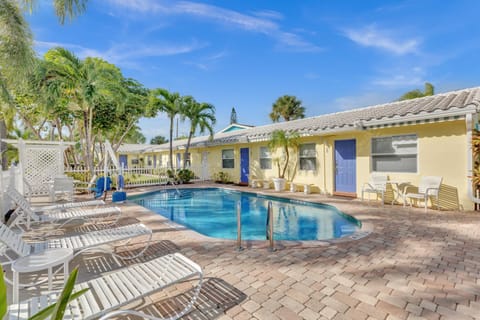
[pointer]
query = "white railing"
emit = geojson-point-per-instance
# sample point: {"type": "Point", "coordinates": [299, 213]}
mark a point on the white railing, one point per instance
{"type": "Point", "coordinates": [134, 177]}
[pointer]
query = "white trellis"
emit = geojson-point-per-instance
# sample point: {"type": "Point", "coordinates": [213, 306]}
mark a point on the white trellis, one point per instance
{"type": "Point", "coordinates": [40, 162]}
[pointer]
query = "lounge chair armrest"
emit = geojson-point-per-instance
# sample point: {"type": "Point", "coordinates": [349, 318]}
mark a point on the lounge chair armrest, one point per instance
{"type": "Point", "coordinates": [427, 191]}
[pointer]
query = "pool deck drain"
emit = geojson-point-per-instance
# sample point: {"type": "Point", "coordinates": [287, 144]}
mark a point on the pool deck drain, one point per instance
{"type": "Point", "coordinates": [412, 265]}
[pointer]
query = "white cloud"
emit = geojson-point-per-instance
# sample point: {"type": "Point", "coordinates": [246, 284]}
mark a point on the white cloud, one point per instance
{"type": "Point", "coordinates": [80, 51]}
{"type": "Point", "coordinates": [401, 78]}
{"type": "Point", "coordinates": [270, 14]}
{"type": "Point", "coordinates": [371, 36]}
{"type": "Point", "coordinates": [262, 22]}
{"type": "Point", "coordinates": [123, 54]}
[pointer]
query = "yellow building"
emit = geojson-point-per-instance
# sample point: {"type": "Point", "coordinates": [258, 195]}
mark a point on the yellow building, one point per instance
{"type": "Point", "coordinates": [407, 140]}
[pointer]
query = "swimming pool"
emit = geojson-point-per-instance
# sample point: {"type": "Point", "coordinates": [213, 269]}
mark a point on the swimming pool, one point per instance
{"type": "Point", "coordinates": [212, 212]}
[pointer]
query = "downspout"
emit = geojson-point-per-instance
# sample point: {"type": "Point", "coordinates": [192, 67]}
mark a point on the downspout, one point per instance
{"type": "Point", "coordinates": [470, 119]}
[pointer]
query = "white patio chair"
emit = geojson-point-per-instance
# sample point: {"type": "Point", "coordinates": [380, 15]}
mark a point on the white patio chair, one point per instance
{"type": "Point", "coordinates": [62, 186]}
{"type": "Point", "coordinates": [377, 184]}
{"type": "Point", "coordinates": [11, 242]}
{"type": "Point", "coordinates": [25, 214]}
{"type": "Point", "coordinates": [429, 186]}
{"type": "Point", "coordinates": [120, 288]}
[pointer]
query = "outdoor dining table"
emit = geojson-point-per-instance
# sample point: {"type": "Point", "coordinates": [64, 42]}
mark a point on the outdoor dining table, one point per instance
{"type": "Point", "coordinates": [397, 190]}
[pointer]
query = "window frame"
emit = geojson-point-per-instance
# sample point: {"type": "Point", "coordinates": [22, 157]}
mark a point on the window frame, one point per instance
{"type": "Point", "coordinates": [262, 157]}
{"type": "Point", "coordinates": [314, 157]}
{"type": "Point", "coordinates": [416, 154]}
{"type": "Point", "coordinates": [232, 159]}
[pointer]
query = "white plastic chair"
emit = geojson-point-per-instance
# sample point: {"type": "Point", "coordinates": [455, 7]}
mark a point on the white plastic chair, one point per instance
{"type": "Point", "coordinates": [119, 288]}
{"type": "Point", "coordinates": [377, 184]}
{"type": "Point", "coordinates": [429, 186]}
{"type": "Point", "coordinates": [62, 186]}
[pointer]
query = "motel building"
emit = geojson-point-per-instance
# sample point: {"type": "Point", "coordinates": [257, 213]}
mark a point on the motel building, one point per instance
{"type": "Point", "coordinates": [337, 152]}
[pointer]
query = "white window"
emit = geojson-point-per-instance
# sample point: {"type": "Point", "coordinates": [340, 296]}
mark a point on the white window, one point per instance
{"type": "Point", "coordinates": [228, 161]}
{"type": "Point", "coordinates": [395, 153]}
{"type": "Point", "coordinates": [308, 157]}
{"type": "Point", "coordinates": [187, 160]}
{"type": "Point", "coordinates": [265, 158]}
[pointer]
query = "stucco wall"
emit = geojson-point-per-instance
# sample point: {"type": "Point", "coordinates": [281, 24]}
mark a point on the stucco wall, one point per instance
{"type": "Point", "coordinates": [442, 151]}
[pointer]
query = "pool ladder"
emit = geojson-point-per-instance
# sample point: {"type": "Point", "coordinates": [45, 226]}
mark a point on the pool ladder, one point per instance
{"type": "Point", "coordinates": [268, 227]}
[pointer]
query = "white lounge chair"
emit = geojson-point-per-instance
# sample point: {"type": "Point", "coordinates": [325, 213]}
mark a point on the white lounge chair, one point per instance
{"type": "Point", "coordinates": [91, 241]}
{"type": "Point", "coordinates": [120, 288]}
{"type": "Point", "coordinates": [429, 186]}
{"type": "Point", "coordinates": [62, 186]}
{"type": "Point", "coordinates": [377, 185]}
{"type": "Point", "coordinates": [68, 205]}
{"type": "Point", "coordinates": [79, 243]}
{"type": "Point", "coordinates": [25, 213]}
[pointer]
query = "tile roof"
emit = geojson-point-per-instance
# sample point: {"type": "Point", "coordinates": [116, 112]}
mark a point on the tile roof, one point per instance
{"type": "Point", "coordinates": [461, 102]}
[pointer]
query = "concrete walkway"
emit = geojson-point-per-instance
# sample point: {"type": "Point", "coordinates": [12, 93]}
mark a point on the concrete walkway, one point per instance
{"type": "Point", "coordinates": [413, 265]}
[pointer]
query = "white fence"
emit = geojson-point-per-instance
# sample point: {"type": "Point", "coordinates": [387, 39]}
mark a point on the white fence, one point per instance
{"type": "Point", "coordinates": [134, 177]}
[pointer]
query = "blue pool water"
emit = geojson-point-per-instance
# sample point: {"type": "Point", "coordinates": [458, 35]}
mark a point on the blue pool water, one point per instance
{"type": "Point", "coordinates": [212, 212]}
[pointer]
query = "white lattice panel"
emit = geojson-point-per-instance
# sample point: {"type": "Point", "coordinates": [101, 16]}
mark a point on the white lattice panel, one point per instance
{"type": "Point", "coordinates": [41, 164]}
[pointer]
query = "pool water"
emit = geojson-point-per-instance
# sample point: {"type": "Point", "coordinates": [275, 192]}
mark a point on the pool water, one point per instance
{"type": "Point", "coordinates": [212, 212]}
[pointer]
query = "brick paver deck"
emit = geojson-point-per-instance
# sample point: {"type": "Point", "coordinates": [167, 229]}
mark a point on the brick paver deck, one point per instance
{"type": "Point", "coordinates": [413, 265]}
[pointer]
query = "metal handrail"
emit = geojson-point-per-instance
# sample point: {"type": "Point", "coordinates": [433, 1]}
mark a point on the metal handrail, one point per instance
{"type": "Point", "coordinates": [239, 226]}
{"type": "Point", "coordinates": [269, 227]}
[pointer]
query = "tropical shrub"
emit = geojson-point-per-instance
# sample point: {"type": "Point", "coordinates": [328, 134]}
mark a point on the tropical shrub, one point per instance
{"type": "Point", "coordinates": [222, 177]}
{"type": "Point", "coordinates": [185, 175]}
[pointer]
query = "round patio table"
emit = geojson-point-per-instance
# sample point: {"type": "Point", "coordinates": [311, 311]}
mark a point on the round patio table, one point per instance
{"type": "Point", "coordinates": [40, 261]}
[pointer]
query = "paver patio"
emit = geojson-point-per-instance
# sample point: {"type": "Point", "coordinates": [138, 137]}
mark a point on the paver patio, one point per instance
{"type": "Point", "coordinates": [413, 265]}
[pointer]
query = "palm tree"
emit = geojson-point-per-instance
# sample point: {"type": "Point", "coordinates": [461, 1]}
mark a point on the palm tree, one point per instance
{"type": "Point", "coordinates": [288, 108]}
{"type": "Point", "coordinates": [63, 8]}
{"type": "Point", "coordinates": [85, 84]}
{"type": "Point", "coordinates": [201, 116]}
{"type": "Point", "coordinates": [170, 103]}
{"type": "Point", "coordinates": [281, 139]}
{"type": "Point", "coordinates": [16, 57]}
{"type": "Point", "coordinates": [428, 91]}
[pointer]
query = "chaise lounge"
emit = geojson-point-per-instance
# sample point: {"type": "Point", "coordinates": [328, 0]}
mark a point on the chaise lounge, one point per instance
{"type": "Point", "coordinates": [119, 288]}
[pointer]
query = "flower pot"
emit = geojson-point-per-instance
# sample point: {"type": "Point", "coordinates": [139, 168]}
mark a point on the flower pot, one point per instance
{"type": "Point", "coordinates": [279, 184]}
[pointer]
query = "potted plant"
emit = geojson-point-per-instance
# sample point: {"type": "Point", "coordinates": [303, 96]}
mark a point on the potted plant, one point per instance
{"type": "Point", "coordinates": [283, 140]}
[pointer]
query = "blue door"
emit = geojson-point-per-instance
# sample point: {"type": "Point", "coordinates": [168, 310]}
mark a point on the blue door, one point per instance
{"type": "Point", "coordinates": [244, 164]}
{"type": "Point", "coordinates": [123, 160]}
{"type": "Point", "coordinates": [345, 166]}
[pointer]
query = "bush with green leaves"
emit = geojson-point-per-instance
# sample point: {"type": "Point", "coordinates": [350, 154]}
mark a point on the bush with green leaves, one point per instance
{"type": "Point", "coordinates": [185, 175]}
{"type": "Point", "coordinates": [222, 177]}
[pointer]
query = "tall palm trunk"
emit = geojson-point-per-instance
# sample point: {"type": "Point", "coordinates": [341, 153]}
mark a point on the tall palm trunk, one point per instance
{"type": "Point", "coordinates": [171, 142]}
{"type": "Point", "coordinates": [3, 146]}
{"type": "Point", "coordinates": [190, 135]}
{"type": "Point", "coordinates": [87, 148]}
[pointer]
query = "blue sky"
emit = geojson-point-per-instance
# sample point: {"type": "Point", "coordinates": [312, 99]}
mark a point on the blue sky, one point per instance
{"type": "Point", "coordinates": [332, 55]}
